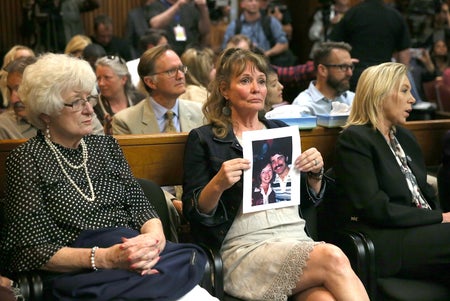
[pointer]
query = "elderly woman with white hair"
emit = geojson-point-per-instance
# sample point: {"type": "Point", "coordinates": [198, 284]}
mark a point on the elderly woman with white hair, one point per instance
{"type": "Point", "coordinates": [73, 209]}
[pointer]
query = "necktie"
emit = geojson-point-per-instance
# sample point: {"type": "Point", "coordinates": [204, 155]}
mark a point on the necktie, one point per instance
{"type": "Point", "coordinates": [169, 127]}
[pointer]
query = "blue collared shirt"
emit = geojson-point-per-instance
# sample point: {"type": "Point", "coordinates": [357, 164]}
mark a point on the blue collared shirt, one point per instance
{"type": "Point", "coordinates": [160, 111]}
{"type": "Point", "coordinates": [313, 101]}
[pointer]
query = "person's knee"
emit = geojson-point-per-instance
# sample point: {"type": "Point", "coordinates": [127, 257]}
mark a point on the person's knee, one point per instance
{"type": "Point", "coordinates": [333, 258]}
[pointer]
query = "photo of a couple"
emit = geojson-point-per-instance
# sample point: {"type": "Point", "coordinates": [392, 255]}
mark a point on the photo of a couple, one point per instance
{"type": "Point", "coordinates": [272, 177]}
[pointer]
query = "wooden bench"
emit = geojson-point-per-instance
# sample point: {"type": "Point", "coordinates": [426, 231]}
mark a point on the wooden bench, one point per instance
{"type": "Point", "coordinates": [159, 157]}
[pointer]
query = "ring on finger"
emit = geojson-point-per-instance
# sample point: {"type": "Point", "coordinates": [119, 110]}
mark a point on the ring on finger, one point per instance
{"type": "Point", "coordinates": [315, 162]}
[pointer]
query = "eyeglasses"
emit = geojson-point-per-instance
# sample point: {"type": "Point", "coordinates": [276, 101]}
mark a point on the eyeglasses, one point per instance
{"type": "Point", "coordinates": [172, 72]}
{"type": "Point", "coordinates": [79, 104]}
{"type": "Point", "coordinates": [114, 57]}
{"type": "Point", "coordinates": [341, 67]}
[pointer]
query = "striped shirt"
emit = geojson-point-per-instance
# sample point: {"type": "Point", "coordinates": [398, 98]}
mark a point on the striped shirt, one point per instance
{"type": "Point", "coordinates": [282, 188]}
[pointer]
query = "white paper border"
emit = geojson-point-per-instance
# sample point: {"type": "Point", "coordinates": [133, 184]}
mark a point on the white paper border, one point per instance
{"type": "Point", "coordinates": [247, 144]}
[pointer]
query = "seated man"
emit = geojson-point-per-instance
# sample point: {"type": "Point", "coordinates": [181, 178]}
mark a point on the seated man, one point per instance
{"type": "Point", "coordinates": [163, 75]}
{"type": "Point", "coordinates": [14, 123]}
{"type": "Point", "coordinates": [334, 67]}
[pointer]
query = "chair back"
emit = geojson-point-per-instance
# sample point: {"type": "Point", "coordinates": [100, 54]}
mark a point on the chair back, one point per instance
{"type": "Point", "coordinates": [443, 97]}
{"type": "Point", "coordinates": [155, 195]}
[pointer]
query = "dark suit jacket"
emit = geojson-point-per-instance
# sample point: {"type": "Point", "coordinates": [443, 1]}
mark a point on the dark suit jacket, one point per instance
{"type": "Point", "coordinates": [373, 194]}
{"type": "Point", "coordinates": [141, 119]}
{"type": "Point", "coordinates": [137, 25]}
{"type": "Point", "coordinates": [117, 46]}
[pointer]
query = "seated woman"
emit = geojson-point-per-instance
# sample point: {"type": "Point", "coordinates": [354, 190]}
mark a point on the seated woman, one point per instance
{"type": "Point", "coordinates": [116, 90]}
{"type": "Point", "coordinates": [76, 45]}
{"type": "Point", "coordinates": [73, 209]}
{"type": "Point", "coordinates": [381, 180]}
{"type": "Point", "coordinates": [266, 255]}
{"type": "Point", "coordinates": [275, 89]}
{"type": "Point", "coordinates": [201, 71]}
{"type": "Point", "coordinates": [427, 66]}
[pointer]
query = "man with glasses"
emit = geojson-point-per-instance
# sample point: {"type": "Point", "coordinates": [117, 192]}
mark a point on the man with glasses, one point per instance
{"type": "Point", "coordinates": [163, 75]}
{"type": "Point", "coordinates": [13, 122]}
{"type": "Point", "coordinates": [334, 68]}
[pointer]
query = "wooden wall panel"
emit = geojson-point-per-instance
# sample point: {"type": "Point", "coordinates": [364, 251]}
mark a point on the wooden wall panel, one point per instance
{"type": "Point", "coordinates": [11, 20]}
{"type": "Point", "coordinates": [116, 9]}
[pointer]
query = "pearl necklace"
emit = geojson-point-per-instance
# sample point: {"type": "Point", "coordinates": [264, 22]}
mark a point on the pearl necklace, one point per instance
{"type": "Point", "coordinates": [59, 155]}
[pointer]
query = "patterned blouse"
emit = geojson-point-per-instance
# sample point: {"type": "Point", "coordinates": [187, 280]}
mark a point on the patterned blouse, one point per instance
{"type": "Point", "coordinates": [43, 210]}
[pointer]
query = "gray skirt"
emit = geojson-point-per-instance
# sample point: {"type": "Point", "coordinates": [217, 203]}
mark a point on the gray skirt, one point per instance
{"type": "Point", "coordinates": [264, 254]}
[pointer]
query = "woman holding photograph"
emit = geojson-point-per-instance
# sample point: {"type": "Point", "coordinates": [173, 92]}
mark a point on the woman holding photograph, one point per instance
{"type": "Point", "coordinates": [212, 199]}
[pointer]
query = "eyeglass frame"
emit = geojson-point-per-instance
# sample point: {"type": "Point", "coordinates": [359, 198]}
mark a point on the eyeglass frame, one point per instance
{"type": "Point", "coordinates": [341, 67]}
{"type": "Point", "coordinates": [182, 68]}
{"type": "Point", "coordinates": [91, 99]}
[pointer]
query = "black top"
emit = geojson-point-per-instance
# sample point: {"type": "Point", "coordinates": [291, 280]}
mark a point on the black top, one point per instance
{"type": "Point", "coordinates": [43, 210]}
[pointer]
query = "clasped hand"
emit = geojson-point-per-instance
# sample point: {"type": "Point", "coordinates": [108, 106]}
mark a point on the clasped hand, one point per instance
{"type": "Point", "coordinates": [140, 253]}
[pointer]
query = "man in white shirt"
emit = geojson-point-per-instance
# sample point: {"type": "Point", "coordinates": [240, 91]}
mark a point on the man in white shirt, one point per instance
{"type": "Point", "coordinates": [334, 68]}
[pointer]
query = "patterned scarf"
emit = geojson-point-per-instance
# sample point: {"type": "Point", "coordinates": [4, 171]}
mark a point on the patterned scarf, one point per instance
{"type": "Point", "coordinates": [417, 198]}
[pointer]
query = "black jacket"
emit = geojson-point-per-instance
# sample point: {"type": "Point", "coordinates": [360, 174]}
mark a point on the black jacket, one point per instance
{"type": "Point", "coordinates": [203, 158]}
{"type": "Point", "coordinates": [373, 194]}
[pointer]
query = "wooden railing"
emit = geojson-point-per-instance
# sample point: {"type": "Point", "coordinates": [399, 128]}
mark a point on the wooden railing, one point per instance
{"type": "Point", "coordinates": [160, 156]}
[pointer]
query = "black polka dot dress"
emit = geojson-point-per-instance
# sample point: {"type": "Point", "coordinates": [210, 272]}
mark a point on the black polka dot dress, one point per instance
{"type": "Point", "coordinates": [43, 210]}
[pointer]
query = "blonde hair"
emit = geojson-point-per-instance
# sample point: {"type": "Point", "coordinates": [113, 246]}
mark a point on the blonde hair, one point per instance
{"type": "Point", "coordinates": [200, 62]}
{"type": "Point", "coordinates": [374, 85]}
{"type": "Point", "coordinates": [11, 54]}
{"type": "Point", "coordinates": [77, 44]}
{"type": "Point", "coordinates": [8, 58]}
{"type": "Point", "coordinates": [231, 63]}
